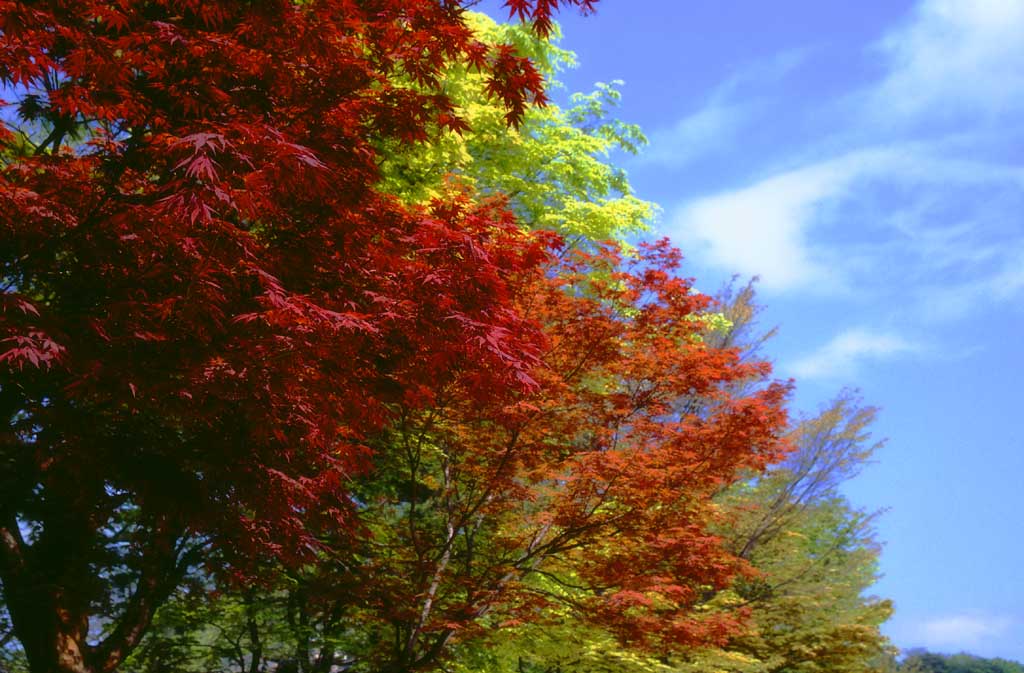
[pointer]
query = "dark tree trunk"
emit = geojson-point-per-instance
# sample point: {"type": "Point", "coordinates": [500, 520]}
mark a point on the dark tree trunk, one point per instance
{"type": "Point", "coordinates": [52, 635]}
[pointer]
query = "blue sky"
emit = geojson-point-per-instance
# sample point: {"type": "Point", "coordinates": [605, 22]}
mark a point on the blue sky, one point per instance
{"type": "Point", "coordinates": [866, 160]}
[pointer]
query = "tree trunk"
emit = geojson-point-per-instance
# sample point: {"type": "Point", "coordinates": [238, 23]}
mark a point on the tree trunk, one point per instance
{"type": "Point", "coordinates": [70, 655]}
{"type": "Point", "coordinates": [52, 636]}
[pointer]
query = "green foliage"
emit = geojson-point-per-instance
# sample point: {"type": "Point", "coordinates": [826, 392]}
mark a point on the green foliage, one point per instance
{"type": "Point", "coordinates": [196, 632]}
{"type": "Point", "coordinates": [554, 168]}
{"type": "Point", "coordinates": [562, 645]}
{"type": "Point", "coordinates": [248, 629]}
{"type": "Point", "coordinates": [808, 604]}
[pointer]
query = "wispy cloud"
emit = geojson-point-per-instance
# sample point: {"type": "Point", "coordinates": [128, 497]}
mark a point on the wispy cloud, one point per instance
{"type": "Point", "coordinates": [762, 229]}
{"type": "Point", "coordinates": [1002, 282]}
{"type": "Point", "coordinates": [716, 124]}
{"type": "Point", "coordinates": [840, 358]}
{"type": "Point", "coordinates": [954, 56]}
{"type": "Point", "coordinates": [962, 632]}
{"type": "Point", "coordinates": [945, 233]}
{"type": "Point", "coordinates": [711, 128]}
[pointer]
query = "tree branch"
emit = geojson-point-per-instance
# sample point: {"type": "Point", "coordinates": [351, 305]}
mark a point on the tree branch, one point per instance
{"type": "Point", "coordinates": [162, 569]}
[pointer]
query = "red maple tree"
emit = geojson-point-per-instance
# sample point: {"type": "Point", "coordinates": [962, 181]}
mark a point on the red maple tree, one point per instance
{"type": "Point", "coordinates": [206, 305]}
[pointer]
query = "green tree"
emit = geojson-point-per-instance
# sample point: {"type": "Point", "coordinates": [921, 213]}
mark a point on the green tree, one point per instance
{"type": "Point", "coordinates": [555, 167]}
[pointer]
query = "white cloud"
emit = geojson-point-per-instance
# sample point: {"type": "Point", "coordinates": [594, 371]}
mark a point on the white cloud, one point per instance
{"type": "Point", "coordinates": [869, 217]}
{"type": "Point", "coordinates": [961, 632]}
{"type": "Point", "coordinates": [841, 357]}
{"type": "Point", "coordinates": [955, 55]}
{"type": "Point", "coordinates": [764, 229]}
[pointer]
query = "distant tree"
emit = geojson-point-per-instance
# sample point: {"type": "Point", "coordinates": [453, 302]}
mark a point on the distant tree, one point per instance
{"type": "Point", "coordinates": [814, 554]}
{"type": "Point", "coordinates": [922, 661]}
{"type": "Point", "coordinates": [813, 558]}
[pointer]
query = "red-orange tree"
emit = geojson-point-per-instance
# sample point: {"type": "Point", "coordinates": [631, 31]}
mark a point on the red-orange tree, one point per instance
{"type": "Point", "coordinates": [206, 306]}
{"type": "Point", "coordinates": [595, 490]}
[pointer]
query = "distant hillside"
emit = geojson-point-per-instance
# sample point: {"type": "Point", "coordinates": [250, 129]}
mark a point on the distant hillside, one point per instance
{"type": "Point", "coordinates": [920, 661]}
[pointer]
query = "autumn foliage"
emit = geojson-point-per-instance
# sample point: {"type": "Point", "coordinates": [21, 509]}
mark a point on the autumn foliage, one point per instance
{"type": "Point", "coordinates": [219, 340]}
{"type": "Point", "coordinates": [593, 490]}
